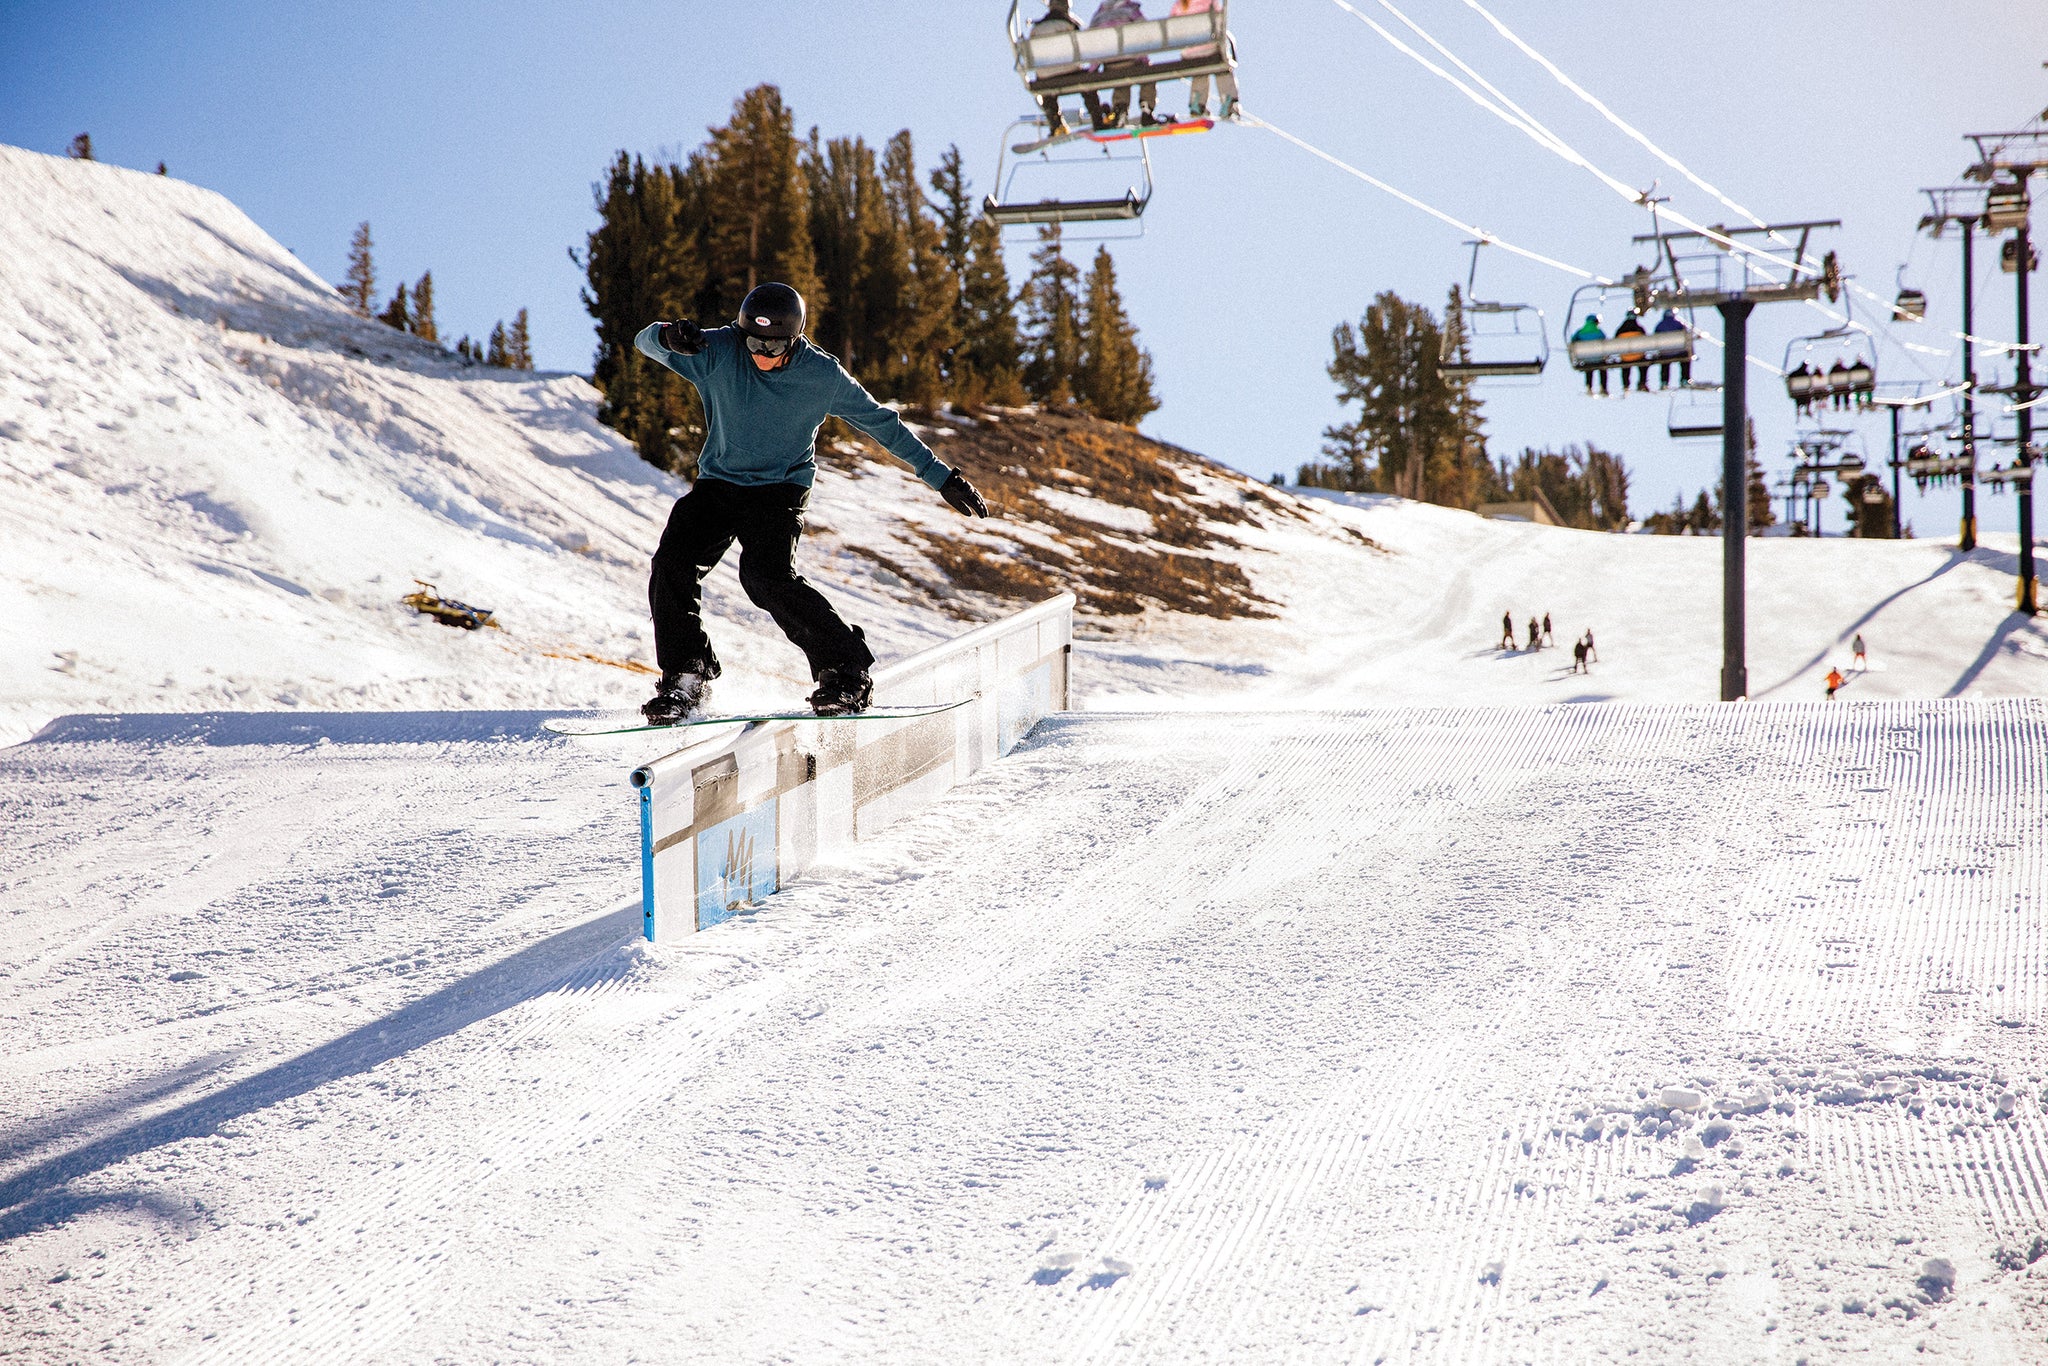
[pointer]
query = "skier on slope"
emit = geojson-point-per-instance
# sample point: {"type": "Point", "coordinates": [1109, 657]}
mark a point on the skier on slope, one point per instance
{"type": "Point", "coordinates": [1507, 630]}
{"type": "Point", "coordinates": [766, 390]}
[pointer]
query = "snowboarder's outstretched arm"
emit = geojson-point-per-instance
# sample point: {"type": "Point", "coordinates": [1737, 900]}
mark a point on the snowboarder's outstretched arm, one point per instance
{"type": "Point", "coordinates": [679, 346]}
{"type": "Point", "coordinates": [858, 406]}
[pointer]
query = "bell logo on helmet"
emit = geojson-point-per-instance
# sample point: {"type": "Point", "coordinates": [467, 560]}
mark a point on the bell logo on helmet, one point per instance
{"type": "Point", "coordinates": [763, 322]}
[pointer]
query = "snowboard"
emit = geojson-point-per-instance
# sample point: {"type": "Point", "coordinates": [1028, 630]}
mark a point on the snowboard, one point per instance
{"type": "Point", "coordinates": [1106, 135]}
{"type": "Point", "coordinates": [631, 722]}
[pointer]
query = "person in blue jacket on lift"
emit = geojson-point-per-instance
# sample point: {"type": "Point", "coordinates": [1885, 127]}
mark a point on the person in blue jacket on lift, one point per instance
{"type": "Point", "coordinates": [766, 391]}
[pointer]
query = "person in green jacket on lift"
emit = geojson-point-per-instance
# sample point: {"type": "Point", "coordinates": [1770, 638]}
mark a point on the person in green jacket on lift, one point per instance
{"type": "Point", "coordinates": [766, 391]}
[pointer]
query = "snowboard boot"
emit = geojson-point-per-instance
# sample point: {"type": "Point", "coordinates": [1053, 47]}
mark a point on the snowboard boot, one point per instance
{"type": "Point", "coordinates": [842, 692]}
{"type": "Point", "coordinates": [676, 697]}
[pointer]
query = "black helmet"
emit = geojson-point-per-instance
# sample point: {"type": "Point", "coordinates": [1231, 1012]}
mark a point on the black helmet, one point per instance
{"type": "Point", "coordinates": [774, 312]}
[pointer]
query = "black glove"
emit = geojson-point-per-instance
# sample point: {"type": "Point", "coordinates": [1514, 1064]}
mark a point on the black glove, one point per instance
{"type": "Point", "coordinates": [685, 338]}
{"type": "Point", "coordinates": [957, 491]}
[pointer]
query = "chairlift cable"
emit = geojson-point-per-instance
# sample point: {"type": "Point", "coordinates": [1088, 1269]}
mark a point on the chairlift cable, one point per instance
{"type": "Point", "coordinates": [1551, 142]}
{"type": "Point", "coordinates": [1491, 239]}
{"type": "Point", "coordinates": [1675, 164]}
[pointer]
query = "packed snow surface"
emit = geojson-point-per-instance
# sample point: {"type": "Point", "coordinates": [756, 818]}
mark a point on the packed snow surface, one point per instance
{"type": "Point", "coordinates": [1686, 1033]}
{"type": "Point", "coordinates": [1338, 986]}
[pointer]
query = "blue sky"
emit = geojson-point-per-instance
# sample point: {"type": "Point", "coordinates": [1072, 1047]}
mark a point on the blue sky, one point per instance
{"type": "Point", "coordinates": [469, 134]}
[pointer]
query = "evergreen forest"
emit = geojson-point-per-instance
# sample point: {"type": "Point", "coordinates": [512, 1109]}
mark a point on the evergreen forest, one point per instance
{"type": "Point", "coordinates": [904, 278]}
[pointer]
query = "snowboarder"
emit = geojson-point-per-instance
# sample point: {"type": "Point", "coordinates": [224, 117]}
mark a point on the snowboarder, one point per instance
{"type": "Point", "coordinates": [1059, 18]}
{"type": "Point", "coordinates": [1115, 14]}
{"type": "Point", "coordinates": [1198, 86]}
{"type": "Point", "coordinates": [1835, 681]}
{"type": "Point", "coordinates": [1535, 635]}
{"type": "Point", "coordinates": [1507, 630]}
{"type": "Point", "coordinates": [1549, 638]}
{"type": "Point", "coordinates": [765, 391]}
{"type": "Point", "coordinates": [1860, 661]}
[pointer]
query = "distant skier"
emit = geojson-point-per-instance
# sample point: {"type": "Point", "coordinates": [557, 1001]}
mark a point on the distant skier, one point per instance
{"type": "Point", "coordinates": [1549, 637]}
{"type": "Point", "coordinates": [1535, 635]}
{"type": "Point", "coordinates": [765, 390]}
{"type": "Point", "coordinates": [1579, 665]}
{"type": "Point", "coordinates": [1860, 662]}
{"type": "Point", "coordinates": [1835, 682]}
{"type": "Point", "coordinates": [1507, 630]}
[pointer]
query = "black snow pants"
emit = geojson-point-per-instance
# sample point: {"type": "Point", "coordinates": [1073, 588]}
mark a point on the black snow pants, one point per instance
{"type": "Point", "coordinates": [767, 521]}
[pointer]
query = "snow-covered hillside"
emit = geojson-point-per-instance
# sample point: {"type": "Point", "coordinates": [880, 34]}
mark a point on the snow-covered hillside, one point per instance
{"type": "Point", "coordinates": [218, 483]}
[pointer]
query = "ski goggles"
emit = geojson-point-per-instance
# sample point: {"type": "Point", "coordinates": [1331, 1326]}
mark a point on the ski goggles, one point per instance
{"type": "Point", "coordinates": [771, 347]}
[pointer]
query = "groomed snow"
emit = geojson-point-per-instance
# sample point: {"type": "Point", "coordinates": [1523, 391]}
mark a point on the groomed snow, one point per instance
{"type": "Point", "coordinates": [1574, 1034]}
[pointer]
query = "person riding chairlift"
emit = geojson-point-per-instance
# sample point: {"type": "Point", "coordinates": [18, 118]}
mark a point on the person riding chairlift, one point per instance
{"type": "Point", "coordinates": [1838, 384]}
{"type": "Point", "coordinates": [1198, 86]}
{"type": "Point", "coordinates": [1801, 385]}
{"type": "Point", "coordinates": [1670, 323]}
{"type": "Point", "coordinates": [1589, 330]}
{"type": "Point", "coordinates": [1115, 14]}
{"type": "Point", "coordinates": [1057, 19]}
{"type": "Point", "coordinates": [1632, 326]}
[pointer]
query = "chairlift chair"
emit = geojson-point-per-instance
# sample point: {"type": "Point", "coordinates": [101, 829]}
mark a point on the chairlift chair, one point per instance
{"type": "Point", "coordinates": [1501, 340]}
{"type": "Point", "coordinates": [1911, 306]}
{"type": "Point", "coordinates": [1695, 411]}
{"type": "Point", "coordinates": [1831, 368]}
{"type": "Point", "coordinates": [1628, 351]}
{"type": "Point", "coordinates": [2005, 206]}
{"type": "Point", "coordinates": [1068, 163]}
{"type": "Point", "coordinates": [1147, 52]}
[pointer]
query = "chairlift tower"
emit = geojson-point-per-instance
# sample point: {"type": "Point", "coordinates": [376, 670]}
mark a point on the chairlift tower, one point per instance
{"type": "Point", "coordinates": [1733, 284]}
{"type": "Point", "coordinates": [2007, 204]}
{"type": "Point", "coordinates": [1897, 396]}
{"type": "Point", "coordinates": [1963, 205]}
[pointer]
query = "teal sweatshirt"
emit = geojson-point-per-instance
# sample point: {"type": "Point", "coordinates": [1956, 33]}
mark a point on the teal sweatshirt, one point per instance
{"type": "Point", "coordinates": [764, 425]}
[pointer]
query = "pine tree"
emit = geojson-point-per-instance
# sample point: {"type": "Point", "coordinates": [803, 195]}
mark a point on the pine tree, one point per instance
{"type": "Point", "coordinates": [1405, 438]}
{"type": "Point", "coordinates": [1114, 377]}
{"type": "Point", "coordinates": [990, 364]}
{"type": "Point", "coordinates": [852, 245]}
{"type": "Point", "coordinates": [1761, 513]}
{"type": "Point", "coordinates": [643, 264]}
{"type": "Point", "coordinates": [423, 325]}
{"type": "Point", "coordinates": [921, 330]}
{"type": "Point", "coordinates": [397, 313]}
{"type": "Point", "coordinates": [1052, 325]}
{"type": "Point", "coordinates": [81, 147]}
{"type": "Point", "coordinates": [1472, 478]}
{"type": "Point", "coordinates": [756, 212]}
{"type": "Point", "coordinates": [496, 354]}
{"type": "Point", "coordinates": [957, 218]}
{"type": "Point", "coordinates": [360, 284]}
{"type": "Point", "coordinates": [518, 344]}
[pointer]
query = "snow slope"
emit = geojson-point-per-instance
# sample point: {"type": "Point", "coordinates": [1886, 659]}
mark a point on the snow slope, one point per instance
{"type": "Point", "coordinates": [1595, 1033]}
{"type": "Point", "coordinates": [1248, 1025]}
